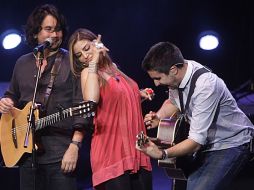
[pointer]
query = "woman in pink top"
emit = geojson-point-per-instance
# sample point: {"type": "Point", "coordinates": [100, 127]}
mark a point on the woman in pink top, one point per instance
{"type": "Point", "coordinates": [116, 164]}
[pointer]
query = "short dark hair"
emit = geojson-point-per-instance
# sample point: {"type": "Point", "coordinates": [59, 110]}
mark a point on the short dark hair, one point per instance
{"type": "Point", "coordinates": [34, 21]}
{"type": "Point", "coordinates": [161, 57]}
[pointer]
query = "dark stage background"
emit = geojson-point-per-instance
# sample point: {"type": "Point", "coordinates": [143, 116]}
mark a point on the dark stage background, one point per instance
{"type": "Point", "coordinates": [129, 28]}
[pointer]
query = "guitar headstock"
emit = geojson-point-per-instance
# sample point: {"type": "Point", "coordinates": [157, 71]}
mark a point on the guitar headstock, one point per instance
{"type": "Point", "coordinates": [84, 109]}
{"type": "Point", "coordinates": [142, 139]}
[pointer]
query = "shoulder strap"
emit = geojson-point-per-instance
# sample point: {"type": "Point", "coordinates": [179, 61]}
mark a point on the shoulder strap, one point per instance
{"type": "Point", "coordinates": [54, 71]}
{"type": "Point", "coordinates": [193, 84]}
{"type": "Point", "coordinates": [192, 87]}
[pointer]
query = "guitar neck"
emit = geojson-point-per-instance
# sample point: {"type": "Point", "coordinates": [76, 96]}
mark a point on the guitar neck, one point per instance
{"type": "Point", "coordinates": [53, 118]}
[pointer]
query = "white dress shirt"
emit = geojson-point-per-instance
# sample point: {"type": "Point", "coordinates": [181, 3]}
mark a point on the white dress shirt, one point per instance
{"type": "Point", "coordinates": [215, 119]}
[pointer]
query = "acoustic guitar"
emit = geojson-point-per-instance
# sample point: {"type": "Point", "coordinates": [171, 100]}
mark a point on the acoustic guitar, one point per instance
{"type": "Point", "coordinates": [13, 127]}
{"type": "Point", "coordinates": [170, 132]}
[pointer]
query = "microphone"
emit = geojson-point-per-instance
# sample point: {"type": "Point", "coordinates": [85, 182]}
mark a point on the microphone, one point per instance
{"type": "Point", "coordinates": [41, 47]}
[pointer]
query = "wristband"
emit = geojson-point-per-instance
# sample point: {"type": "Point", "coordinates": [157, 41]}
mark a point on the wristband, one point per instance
{"type": "Point", "coordinates": [92, 67]}
{"type": "Point", "coordinates": [79, 144]}
{"type": "Point", "coordinates": [164, 154]}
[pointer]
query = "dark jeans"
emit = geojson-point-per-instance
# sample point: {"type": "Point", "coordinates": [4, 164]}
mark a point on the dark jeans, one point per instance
{"type": "Point", "coordinates": [142, 180]}
{"type": "Point", "coordinates": [48, 177]}
{"type": "Point", "coordinates": [219, 168]}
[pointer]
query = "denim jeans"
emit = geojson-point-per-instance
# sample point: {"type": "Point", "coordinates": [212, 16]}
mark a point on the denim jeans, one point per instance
{"type": "Point", "coordinates": [219, 168]}
{"type": "Point", "coordinates": [48, 177]}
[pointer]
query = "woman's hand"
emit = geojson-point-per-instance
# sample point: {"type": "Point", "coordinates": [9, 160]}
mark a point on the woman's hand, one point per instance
{"type": "Point", "coordinates": [98, 48]}
{"type": "Point", "coordinates": [146, 94]}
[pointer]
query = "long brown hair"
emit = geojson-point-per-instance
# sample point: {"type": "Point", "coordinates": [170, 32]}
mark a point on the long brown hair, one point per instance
{"type": "Point", "coordinates": [76, 66]}
{"type": "Point", "coordinates": [105, 63]}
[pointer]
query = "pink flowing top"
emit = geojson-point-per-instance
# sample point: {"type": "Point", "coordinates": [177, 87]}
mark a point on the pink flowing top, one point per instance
{"type": "Point", "coordinates": [117, 122]}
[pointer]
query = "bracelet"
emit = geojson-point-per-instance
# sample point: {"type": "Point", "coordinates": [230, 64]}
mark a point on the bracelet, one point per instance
{"type": "Point", "coordinates": [92, 67]}
{"type": "Point", "coordinates": [79, 144]}
{"type": "Point", "coordinates": [164, 154]}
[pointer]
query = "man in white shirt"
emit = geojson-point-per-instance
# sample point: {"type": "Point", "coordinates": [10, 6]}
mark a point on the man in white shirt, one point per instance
{"type": "Point", "coordinates": [217, 126]}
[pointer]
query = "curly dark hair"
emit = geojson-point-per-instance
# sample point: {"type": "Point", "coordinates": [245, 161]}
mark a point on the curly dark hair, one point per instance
{"type": "Point", "coordinates": [162, 56]}
{"type": "Point", "coordinates": [34, 21]}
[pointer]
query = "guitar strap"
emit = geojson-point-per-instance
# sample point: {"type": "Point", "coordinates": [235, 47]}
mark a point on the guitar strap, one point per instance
{"type": "Point", "coordinates": [54, 71]}
{"type": "Point", "coordinates": [192, 87]}
{"type": "Point", "coordinates": [182, 128]}
{"type": "Point", "coordinates": [183, 117]}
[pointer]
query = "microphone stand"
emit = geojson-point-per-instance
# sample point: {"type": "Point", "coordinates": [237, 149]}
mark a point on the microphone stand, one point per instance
{"type": "Point", "coordinates": [31, 117]}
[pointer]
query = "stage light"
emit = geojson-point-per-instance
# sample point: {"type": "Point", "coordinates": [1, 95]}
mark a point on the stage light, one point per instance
{"type": "Point", "coordinates": [208, 40]}
{"type": "Point", "coordinates": [11, 39]}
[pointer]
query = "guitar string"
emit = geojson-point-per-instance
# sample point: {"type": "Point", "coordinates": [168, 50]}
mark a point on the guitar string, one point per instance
{"type": "Point", "coordinates": [23, 128]}
{"type": "Point", "coordinates": [53, 117]}
{"type": "Point", "coordinates": [46, 119]}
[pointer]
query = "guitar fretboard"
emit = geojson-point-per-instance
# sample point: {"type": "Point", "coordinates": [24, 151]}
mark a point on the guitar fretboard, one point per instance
{"type": "Point", "coordinates": [53, 118]}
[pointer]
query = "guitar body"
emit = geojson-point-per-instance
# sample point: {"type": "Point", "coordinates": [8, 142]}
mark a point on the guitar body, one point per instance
{"type": "Point", "coordinates": [166, 135]}
{"type": "Point", "coordinates": [13, 132]}
{"type": "Point", "coordinates": [170, 132]}
{"type": "Point", "coordinates": [13, 128]}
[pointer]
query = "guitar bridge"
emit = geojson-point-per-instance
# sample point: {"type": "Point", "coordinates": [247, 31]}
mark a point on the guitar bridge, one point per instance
{"type": "Point", "coordinates": [14, 134]}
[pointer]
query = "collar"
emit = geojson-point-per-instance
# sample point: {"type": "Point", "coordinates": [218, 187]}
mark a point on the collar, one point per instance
{"type": "Point", "coordinates": [187, 75]}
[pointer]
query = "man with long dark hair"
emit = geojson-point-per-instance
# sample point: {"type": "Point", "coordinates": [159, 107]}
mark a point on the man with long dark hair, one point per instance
{"type": "Point", "coordinates": [60, 142]}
